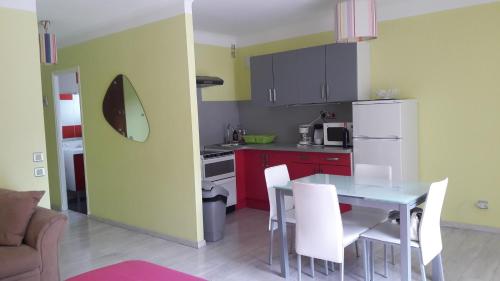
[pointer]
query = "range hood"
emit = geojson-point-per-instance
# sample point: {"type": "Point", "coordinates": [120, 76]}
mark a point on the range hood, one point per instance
{"type": "Point", "coordinates": [207, 81]}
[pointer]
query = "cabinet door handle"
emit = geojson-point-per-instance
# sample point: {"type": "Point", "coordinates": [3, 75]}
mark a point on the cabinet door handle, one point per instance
{"type": "Point", "coordinates": [327, 90]}
{"type": "Point", "coordinates": [332, 159]}
{"type": "Point", "coordinates": [323, 91]}
{"type": "Point", "coordinates": [270, 95]}
{"type": "Point", "coordinates": [274, 93]}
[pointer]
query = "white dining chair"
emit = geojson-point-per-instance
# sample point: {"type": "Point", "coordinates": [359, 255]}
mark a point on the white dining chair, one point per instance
{"type": "Point", "coordinates": [429, 242]}
{"type": "Point", "coordinates": [276, 176]}
{"type": "Point", "coordinates": [319, 231]}
{"type": "Point", "coordinates": [370, 217]}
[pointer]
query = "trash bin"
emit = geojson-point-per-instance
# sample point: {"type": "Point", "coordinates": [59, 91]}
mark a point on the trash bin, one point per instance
{"type": "Point", "coordinates": [214, 211]}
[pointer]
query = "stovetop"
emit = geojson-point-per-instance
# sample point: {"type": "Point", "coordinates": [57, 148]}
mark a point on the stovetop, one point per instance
{"type": "Point", "coordinates": [207, 153]}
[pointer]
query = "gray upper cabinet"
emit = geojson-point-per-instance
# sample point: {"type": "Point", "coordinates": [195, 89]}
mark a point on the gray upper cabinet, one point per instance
{"type": "Point", "coordinates": [341, 72]}
{"type": "Point", "coordinates": [311, 68]}
{"type": "Point", "coordinates": [329, 73]}
{"type": "Point", "coordinates": [262, 79]}
{"type": "Point", "coordinates": [285, 69]}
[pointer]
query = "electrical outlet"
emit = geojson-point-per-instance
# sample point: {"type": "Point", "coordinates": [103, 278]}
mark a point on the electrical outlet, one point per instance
{"type": "Point", "coordinates": [482, 204]}
{"type": "Point", "coordinates": [37, 157]}
{"type": "Point", "coordinates": [39, 172]}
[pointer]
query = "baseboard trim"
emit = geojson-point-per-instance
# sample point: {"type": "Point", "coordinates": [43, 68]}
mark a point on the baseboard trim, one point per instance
{"type": "Point", "coordinates": [475, 227]}
{"type": "Point", "coordinates": [189, 243]}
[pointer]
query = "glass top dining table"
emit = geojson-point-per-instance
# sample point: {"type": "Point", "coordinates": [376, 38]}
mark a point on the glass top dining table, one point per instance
{"type": "Point", "coordinates": [384, 191]}
{"type": "Point", "coordinates": [401, 196]}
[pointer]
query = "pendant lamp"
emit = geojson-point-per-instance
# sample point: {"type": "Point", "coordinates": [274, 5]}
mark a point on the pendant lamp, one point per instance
{"type": "Point", "coordinates": [356, 20]}
{"type": "Point", "coordinates": [48, 45]}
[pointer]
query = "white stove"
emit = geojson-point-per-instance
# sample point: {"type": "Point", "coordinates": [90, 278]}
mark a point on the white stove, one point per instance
{"type": "Point", "coordinates": [218, 166]}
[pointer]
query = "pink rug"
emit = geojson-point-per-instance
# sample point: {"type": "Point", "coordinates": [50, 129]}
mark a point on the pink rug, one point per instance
{"type": "Point", "coordinates": [134, 271]}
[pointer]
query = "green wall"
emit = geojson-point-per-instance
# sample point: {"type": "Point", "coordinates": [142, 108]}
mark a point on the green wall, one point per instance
{"type": "Point", "coordinates": [217, 61]}
{"type": "Point", "coordinates": [449, 61]}
{"type": "Point", "coordinates": [21, 111]}
{"type": "Point", "coordinates": [153, 185]}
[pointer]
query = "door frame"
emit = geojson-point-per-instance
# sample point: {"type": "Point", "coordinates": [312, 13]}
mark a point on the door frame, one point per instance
{"type": "Point", "coordinates": [60, 154]}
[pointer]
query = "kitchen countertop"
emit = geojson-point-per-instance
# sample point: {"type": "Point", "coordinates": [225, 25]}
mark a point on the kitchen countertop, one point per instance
{"type": "Point", "coordinates": [282, 147]}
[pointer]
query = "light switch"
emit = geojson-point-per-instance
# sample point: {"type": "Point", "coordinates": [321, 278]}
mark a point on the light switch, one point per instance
{"type": "Point", "coordinates": [37, 156]}
{"type": "Point", "coordinates": [39, 172]}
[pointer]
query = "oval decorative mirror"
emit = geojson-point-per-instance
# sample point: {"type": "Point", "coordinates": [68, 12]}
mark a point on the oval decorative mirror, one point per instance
{"type": "Point", "coordinates": [123, 110]}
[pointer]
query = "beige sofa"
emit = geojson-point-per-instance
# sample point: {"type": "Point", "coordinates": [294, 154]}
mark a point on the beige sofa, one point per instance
{"type": "Point", "coordinates": [37, 258]}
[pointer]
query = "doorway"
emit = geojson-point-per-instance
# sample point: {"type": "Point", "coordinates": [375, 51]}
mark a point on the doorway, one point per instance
{"type": "Point", "coordinates": [69, 137]}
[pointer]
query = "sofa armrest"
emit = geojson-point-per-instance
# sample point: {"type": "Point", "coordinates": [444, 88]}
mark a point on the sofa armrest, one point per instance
{"type": "Point", "coordinates": [44, 231]}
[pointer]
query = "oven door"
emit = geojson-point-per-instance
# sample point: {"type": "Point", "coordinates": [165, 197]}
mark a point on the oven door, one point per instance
{"type": "Point", "coordinates": [218, 168]}
{"type": "Point", "coordinates": [333, 135]}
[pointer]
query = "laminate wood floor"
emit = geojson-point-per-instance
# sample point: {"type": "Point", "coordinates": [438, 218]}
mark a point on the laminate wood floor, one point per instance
{"type": "Point", "coordinates": [242, 254]}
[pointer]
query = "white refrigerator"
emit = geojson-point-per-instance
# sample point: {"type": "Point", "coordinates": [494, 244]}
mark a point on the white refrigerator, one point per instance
{"type": "Point", "coordinates": [385, 132]}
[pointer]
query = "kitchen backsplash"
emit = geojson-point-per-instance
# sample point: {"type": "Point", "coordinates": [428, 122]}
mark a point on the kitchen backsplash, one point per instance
{"type": "Point", "coordinates": [281, 121]}
{"type": "Point", "coordinates": [213, 116]}
{"type": "Point", "coordinates": [284, 121]}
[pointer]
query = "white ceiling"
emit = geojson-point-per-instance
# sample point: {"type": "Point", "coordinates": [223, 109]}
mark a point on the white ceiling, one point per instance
{"type": "Point", "coordinates": [76, 21]}
{"type": "Point", "coordinates": [219, 22]}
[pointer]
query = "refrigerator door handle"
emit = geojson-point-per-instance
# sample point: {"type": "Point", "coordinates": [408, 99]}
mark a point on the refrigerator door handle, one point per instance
{"type": "Point", "coordinates": [378, 138]}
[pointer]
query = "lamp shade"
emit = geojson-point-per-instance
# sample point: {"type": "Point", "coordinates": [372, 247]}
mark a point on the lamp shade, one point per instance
{"type": "Point", "coordinates": [48, 48]}
{"type": "Point", "coordinates": [356, 20]}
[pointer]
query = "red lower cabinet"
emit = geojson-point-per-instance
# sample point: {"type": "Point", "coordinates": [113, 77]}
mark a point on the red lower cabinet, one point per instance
{"type": "Point", "coordinates": [335, 170]}
{"type": "Point", "coordinates": [300, 170]}
{"type": "Point", "coordinates": [250, 166]}
{"type": "Point", "coordinates": [251, 179]}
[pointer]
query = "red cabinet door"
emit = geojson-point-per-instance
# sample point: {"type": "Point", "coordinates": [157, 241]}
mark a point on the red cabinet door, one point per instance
{"type": "Point", "coordinates": [256, 189]}
{"type": "Point", "coordinates": [300, 170]}
{"type": "Point", "coordinates": [241, 178]}
{"type": "Point", "coordinates": [335, 170]}
{"type": "Point", "coordinates": [336, 159]}
{"type": "Point", "coordinates": [275, 158]}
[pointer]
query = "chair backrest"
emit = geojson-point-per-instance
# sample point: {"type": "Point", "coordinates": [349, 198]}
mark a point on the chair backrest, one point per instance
{"type": "Point", "coordinates": [275, 176]}
{"type": "Point", "coordinates": [430, 225]}
{"type": "Point", "coordinates": [372, 174]}
{"type": "Point", "coordinates": [318, 231]}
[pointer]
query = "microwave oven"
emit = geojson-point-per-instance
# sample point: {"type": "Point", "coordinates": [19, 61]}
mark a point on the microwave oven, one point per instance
{"type": "Point", "coordinates": [333, 133]}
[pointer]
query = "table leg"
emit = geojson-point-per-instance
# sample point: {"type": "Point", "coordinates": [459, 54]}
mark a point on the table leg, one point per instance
{"type": "Point", "coordinates": [437, 268]}
{"type": "Point", "coordinates": [280, 207]}
{"type": "Point", "coordinates": [405, 242]}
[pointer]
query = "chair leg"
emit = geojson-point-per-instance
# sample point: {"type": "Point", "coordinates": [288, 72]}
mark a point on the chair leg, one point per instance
{"type": "Point", "coordinates": [341, 271]}
{"type": "Point", "coordinates": [326, 268]}
{"type": "Point", "coordinates": [386, 266]}
{"type": "Point", "coordinates": [357, 249]}
{"type": "Point", "coordinates": [312, 267]}
{"type": "Point", "coordinates": [299, 266]}
{"type": "Point", "coordinates": [392, 253]}
{"type": "Point", "coordinates": [271, 239]}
